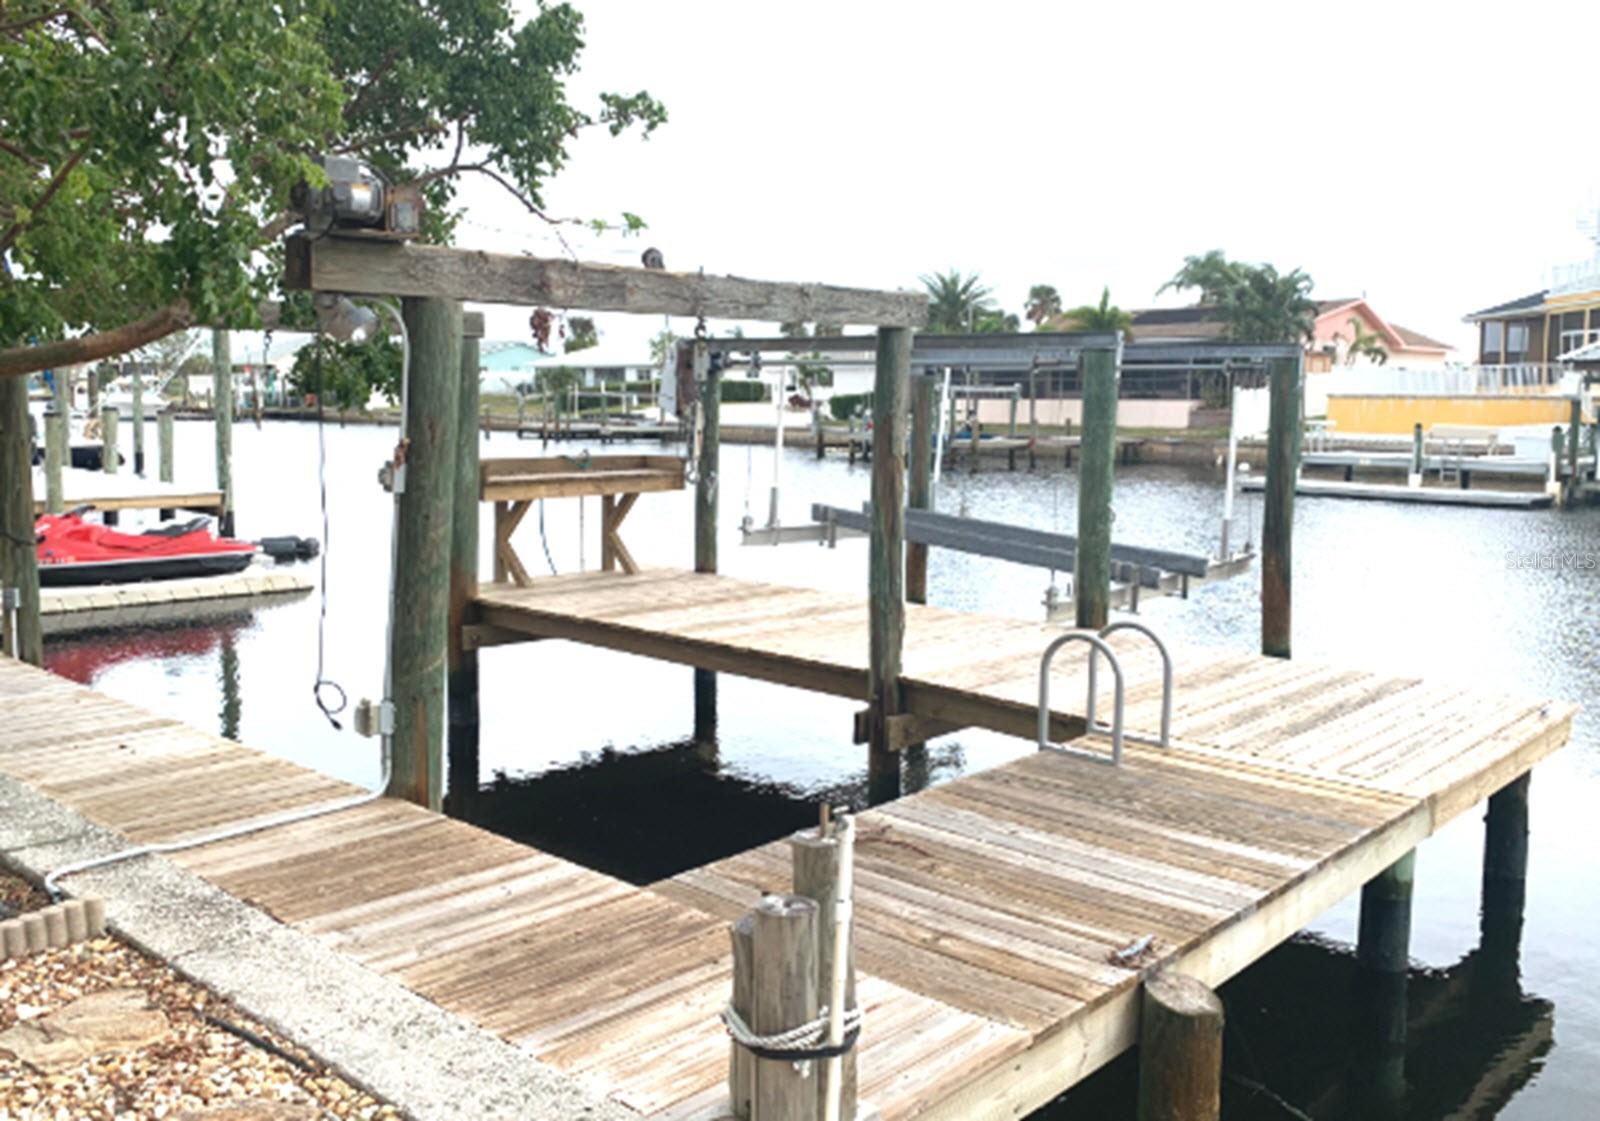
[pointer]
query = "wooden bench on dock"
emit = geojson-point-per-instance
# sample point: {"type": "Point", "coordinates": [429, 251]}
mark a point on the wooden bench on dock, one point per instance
{"type": "Point", "coordinates": [514, 485]}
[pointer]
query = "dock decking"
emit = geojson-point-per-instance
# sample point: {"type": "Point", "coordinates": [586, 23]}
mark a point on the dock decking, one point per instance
{"type": "Point", "coordinates": [988, 908]}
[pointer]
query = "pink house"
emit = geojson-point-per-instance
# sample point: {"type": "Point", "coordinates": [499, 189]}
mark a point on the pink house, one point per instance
{"type": "Point", "coordinates": [1333, 332]}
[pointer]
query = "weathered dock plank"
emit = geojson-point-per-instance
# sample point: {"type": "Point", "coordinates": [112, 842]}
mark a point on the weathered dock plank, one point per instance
{"type": "Point", "coordinates": [989, 909]}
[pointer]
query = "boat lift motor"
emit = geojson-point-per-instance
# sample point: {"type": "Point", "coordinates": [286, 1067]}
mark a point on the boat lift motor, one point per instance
{"type": "Point", "coordinates": [358, 203]}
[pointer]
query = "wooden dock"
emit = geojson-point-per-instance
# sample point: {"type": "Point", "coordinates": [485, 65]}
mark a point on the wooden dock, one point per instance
{"type": "Point", "coordinates": [157, 602]}
{"type": "Point", "coordinates": [1428, 496]}
{"type": "Point", "coordinates": [989, 909]}
{"type": "Point", "coordinates": [127, 491]}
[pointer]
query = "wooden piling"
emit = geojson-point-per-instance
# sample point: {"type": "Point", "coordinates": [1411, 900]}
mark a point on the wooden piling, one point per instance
{"type": "Point", "coordinates": [1383, 942]}
{"type": "Point", "coordinates": [1033, 420]}
{"type": "Point", "coordinates": [1378, 1075]}
{"type": "Point", "coordinates": [1180, 1048]}
{"type": "Point", "coordinates": [461, 664]}
{"type": "Point", "coordinates": [109, 456]}
{"type": "Point", "coordinates": [815, 861]}
{"type": "Point", "coordinates": [1416, 456]}
{"type": "Point", "coordinates": [1574, 434]}
{"type": "Point", "coordinates": [1505, 841]}
{"type": "Point", "coordinates": [705, 528]}
{"type": "Point", "coordinates": [1277, 520]}
{"type": "Point", "coordinates": [138, 422]}
{"type": "Point", "coordinates": [164, 443]}
{"type": "Point", "coordinates": [19, 563]}
{"type": "Point", "coordinates": [56, 451]}
{"type": "Point", "coordinates": [421, 589]}
{"type": "Point", "coordinates": [886, 566]}
{"type": "Point", "coordinates": [222, 420]}
{"type": "Point", "coordinates": [741, 1064]}
{"type": "Point", "coordinates": [919, 493]}
{"type": "Point", "coordinates": [1101, 368]}
{"type": "Point", "coordinates": [784, 997]}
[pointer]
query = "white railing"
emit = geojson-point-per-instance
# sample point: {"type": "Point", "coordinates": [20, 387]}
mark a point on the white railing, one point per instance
{"type": "Point", "coordinates": [1581, 277]}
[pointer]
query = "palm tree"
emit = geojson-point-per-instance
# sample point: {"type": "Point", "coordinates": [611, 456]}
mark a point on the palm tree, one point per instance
{"type": "Point", "coordinates": [1043, 302]}
{"type": "Point", "coordinates": [1211, 272]}
{"type": "Point", "coordinates": [956, 303]}
{"type": "Point", "coordinates": [1097, 317]}
{"type": "Point", "coordinates": [1365, 344]}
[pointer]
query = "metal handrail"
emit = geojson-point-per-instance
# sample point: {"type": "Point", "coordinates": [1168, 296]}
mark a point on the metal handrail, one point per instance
{"type": "Point", "coordinates": [1099, 646]}
{"type": "Point", "coordinates": [1166, 678]}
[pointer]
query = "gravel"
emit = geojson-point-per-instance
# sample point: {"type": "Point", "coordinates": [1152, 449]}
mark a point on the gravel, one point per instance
{"type": "Point", "coordinates": [199, 1064]}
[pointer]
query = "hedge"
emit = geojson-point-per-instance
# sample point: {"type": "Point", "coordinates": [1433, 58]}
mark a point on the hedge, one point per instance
{"type": "Point", "coordinates": [843, 406]}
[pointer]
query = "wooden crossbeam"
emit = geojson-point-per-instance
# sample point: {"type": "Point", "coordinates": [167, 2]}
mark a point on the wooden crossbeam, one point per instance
{"type": "Point", "coordinates": [334, 264]}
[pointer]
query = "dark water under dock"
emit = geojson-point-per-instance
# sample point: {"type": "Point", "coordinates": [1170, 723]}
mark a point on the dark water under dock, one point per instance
{"type": "Point", "coordinates": [591, 754]}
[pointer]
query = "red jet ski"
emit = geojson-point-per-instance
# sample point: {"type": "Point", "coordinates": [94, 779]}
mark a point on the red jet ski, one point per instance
{"type": "Point", "coordinates": [74, 552]}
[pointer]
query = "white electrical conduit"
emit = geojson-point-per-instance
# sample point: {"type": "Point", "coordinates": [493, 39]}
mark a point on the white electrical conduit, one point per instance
{"type": "Point", "coordinates": [845, 835]}
{"type": "Point", "coordinates": [385, 719]}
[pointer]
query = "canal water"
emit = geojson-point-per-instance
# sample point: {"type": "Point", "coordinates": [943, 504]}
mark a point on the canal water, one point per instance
{"type": "Point", "coordinates": [591, 754]}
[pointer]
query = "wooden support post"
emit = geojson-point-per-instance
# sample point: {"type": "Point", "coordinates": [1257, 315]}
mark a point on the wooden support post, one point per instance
{"type": "Point", "coordinates": [741, 1064]}
{"type": "Point", "coordinates": [1277, 520]}
{"type": "Point", "coordinates": [19, 563]}
{"type": "Point", "coordinates": [1033, 420]}
{"type": "Point", "coordinates": [1505, 842]}
{"type": "Point", "coordinates": [705, 532]}
{"type": "Point", "coordinates": [1091, 580]}
{"type": "Point", "coordinates": [886, 566]}
{"type": "Point", "coordinates": [1574, 432]}
{"type": "Point", "coordinates": [138, 422]}
{"type": "Point", "coordinates": [228, 674]}
{"type": "Point", "coordinates": [461, 663]}
{"type": "Point", "coordinates": [1180, 1048]}
{"type": "Point", "coordinates": [816, 876]}
{"type": "Point", "coordinates": [222, 420]}
{"type": "Point", "coordinates": [1012, 429]}
{"type": "Point", "coordinates": [56, 451]}
{"type": "Point", "coordinates": [109, 456]}
{"type": "Point", "coordinates": [785, 997]}
{"type": "Point", "coordinates": [1383, 944]}
{"type": "Point", "coordinates": [164, 443]}
{"type": "Point", "coordinates": [1415, 478]}
{"type": "Point", "coordinates": [421, 601]}
{"type": "Point", "coordinates": [919, 494]}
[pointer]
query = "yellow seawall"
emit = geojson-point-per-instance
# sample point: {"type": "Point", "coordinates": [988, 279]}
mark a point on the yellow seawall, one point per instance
{"type": "Point", "coordinates": [1397, 413]}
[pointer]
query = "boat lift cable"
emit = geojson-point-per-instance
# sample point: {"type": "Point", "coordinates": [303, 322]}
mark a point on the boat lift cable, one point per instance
{"type": "Point", "coordinates": [52, 880]}
{"type": "Point", "coordinates": [323, 685]}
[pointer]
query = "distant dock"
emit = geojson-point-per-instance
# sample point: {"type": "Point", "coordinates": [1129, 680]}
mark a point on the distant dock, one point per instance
{"type": "Point", "coordinates": [64, 611]}
{"type": "Point", "coordinates": [1428, 496]}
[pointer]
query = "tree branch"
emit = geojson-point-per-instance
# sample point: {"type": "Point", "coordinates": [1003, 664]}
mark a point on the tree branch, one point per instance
{"type": "Point", "coordinates": [7, 146]}
{"type": "Point", "coordinates": [24, 24]}
{"type": "Point", "coordinates": [20, 360]}
{"type": "Point", "coordinates": [14, 231]}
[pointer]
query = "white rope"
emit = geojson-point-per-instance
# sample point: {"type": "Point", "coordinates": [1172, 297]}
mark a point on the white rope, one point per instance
{"type": "Point", "coordinates": [806, 1037]}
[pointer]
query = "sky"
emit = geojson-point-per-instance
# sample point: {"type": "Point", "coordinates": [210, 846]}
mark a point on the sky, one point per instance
{"type": "Point", "coordinates": [1434, 158]}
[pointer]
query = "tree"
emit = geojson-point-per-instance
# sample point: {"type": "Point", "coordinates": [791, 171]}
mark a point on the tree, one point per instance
{"type": "Point", "coordinates": [1211, 273]}
{"type": "Point", "coordinates": [661, 345]}
{"type": "Point", "coordinates": [348, 373]}
{"type": "Point", "coordinates": [581, 334]}
{"type": "Point", "coordinates": [148, 152]}
{"type": "Point", "coordinates": [1043, 303]}
{"type": "Point", "coordinates": [810, 374]}
{"type": "Point", "coordinates": [957, 303]}
{"type": "Point", "coordinates": [1103, 316]}
{"type": "Point", "coordinates": [169, 355]}
{"type": "Point", "coordinates": [1257, 303]}
{"type": "Point", "coordinates": [1365, 344]}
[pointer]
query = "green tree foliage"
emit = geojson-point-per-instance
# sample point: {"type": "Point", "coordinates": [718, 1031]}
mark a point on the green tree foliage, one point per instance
{"type": "Point", "coordinates": [581, 334]}
{"type": "Point", "coordinates": [956, 303]}
{"type": "Point", "coordinates": [148, 151]}
{"type": "Point", "coordinates": [1365, 344]}
{"type": "Point", "coordinates": [1104, 316]}
{"type": "Point", "coordinates": [1257, 303]}
{"type": "Point", "coordinates": [1044, 302]}
{"type": "Point", "coordinates": [661, 345]}
{"type": "Point", "coordinates": [810, 372]}
{"type": "Point", "coordinates": [349, 373]}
